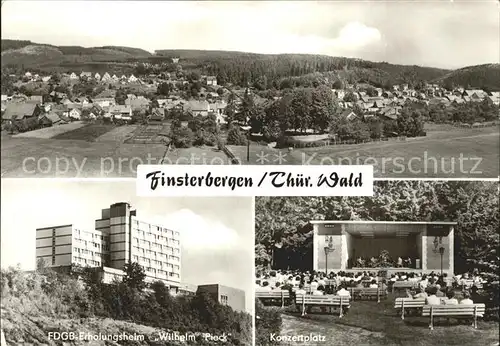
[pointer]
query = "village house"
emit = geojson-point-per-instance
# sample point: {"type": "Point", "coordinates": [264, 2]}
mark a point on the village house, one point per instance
{"type": "Point", "coordinates": [212, 80]}
{"type": "Point", "coordinates": [349, 115]}
{"type": "Point", "coordinates": [46, 79]}
{"type": "Point", "coordinates": [87, 75]}
{"type": "Point", "coordinates": [132, 79]}
{"type": "Point", "coordinates": [73, 76]}
{"type": "Point", "coordinates": [66, 102]}
{"type": "Point", "coordinates": [390, 113]}
{"type": "Point", "coordinates": [28, 75]}
{"type": "Point", "coordinates": [339, 93]}
{"type": "Point", "coordinates": [75, 113]}
{"type": "Point", "coordinates": [196, 108]}
{"type": "Point", "coordinates": [97, 76]}
{"type": "Point", "coordinates": [115, 78]}
{"type": "Point", "coordinates": [50, 119]}
{"type": "Point", "coordinates": [20, 111]}
{"type": "Point", "coordinates": [157, 115]}
{"type": "Point", "coordinates": [137, 103]}
{"type": "Point", "coordinates": [121, 112]}
{"type": "Point", "coordinates": [37, 99]}
{"type": "Point", "coordinates": [494, 97]}
{"type": "Point", "coordinates": [106, 77]}
{"type": "Point", "coordinates": [475, 95]}
{"type": "Point", "coordinates": [162, 102]}
{"type": "Point", "coordinates": [105, 101]}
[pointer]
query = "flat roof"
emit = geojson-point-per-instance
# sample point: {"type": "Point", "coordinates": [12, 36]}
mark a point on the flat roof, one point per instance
{"type": "Point", "coordinates": [322, 222]}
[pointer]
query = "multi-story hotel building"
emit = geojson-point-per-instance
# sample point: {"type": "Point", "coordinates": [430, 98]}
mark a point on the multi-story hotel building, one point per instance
{"type": "Point", "coordinates": [119, 237]}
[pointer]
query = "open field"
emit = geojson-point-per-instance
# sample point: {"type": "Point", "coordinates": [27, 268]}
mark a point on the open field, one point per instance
{"type": "Point", "coordinates": [30, 157]}
{"type": "Point", "coordinates": [445, 152]}
{"type": "Point", "coordinates": [197, 156]}
{"type": "Point", "coordinates": [369, 323]}
{"type": "Point", "coordinates": [49, 132]}
{"type": "Point", "coordinates": [118, 134]}
{"type": "Point", "coordinates": [151, 133]}
{"type": "Point", "coordinates": [89, 132]}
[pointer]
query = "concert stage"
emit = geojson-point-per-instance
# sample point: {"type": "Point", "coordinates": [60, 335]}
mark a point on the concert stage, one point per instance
{"type": "Point", "coordinates": [389, 270]}
{"type": "Point", "coordinates": [339, 244]}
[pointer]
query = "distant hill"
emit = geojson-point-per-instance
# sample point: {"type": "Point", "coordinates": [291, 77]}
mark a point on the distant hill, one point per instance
{"type": "Point", "coordinates": [485, 77]}
{"type": "Point", "coordinates": [240, 67]}
{"type": "Point", "coordinates": [31, 54]}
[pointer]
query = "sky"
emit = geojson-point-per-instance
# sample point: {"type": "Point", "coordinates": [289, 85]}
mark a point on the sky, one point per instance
{"type": "Point", "coordinates": [437, 33]}
{"type": "Point", "coordinates": [217, 233]}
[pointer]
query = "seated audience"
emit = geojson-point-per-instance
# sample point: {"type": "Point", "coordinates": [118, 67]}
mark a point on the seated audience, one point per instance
{"type": "Point", "coordinates": [439, 292]}
{"type": "Point", "coordinates": [264, 287]}
{"type": "Point", "coordinates": [343, 292]}
{"type": "Point", "coordinates": [373, 284]}
{"type": "Point", "coordinates": [432, 299]}
{"type": "Point", "coordinates": [301, 290]}
{"type": "Point", "coordinates": [319, 291]}
{"type": "Point", "coordinates": [466, 300]}
{"type": "Point", "coordinates": [451, 300]}
{"type": "Point", "coordinates": [420, 294]}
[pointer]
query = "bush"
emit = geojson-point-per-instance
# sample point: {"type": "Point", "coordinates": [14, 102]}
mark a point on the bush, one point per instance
{"type": "Point", "coordinates": [267, 322]}
{"type": "Point", "coordinates": [183, 137]}
{"type": "Point", "coordinates": [52, 294]}
{"type": "Point", "coordinates": [236, 137]}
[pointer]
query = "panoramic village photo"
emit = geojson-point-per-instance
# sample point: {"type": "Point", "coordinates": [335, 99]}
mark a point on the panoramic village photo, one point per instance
{"type": "Point", "coordinates": [412, 88]}
{"type": "Point", "coordinates": [100, 266]}
{"type": "Point", "coordinates": [416, 264]}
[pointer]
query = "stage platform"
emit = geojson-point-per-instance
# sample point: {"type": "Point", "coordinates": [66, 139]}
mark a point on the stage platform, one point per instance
{"type": "Point", "coordinates": [391, 270]}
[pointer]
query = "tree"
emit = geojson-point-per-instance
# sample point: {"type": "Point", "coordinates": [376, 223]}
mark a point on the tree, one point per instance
{"type": "Point", "coordinates": [182, 137]}
{"type": "Point", "coordinates": [247, 108]}
{"type": "Point", "coordinates": [350, 97]}
{"type": "Point", "coordinates": [409, 123]}
{"type": "Point", "coordinates": [376, 127]}
{"type": "Point", "coordinates": [164, 89]}
{"type": "Point", "coordinates": [235, 136]}
{"type": "Point", "coordinates": [134, 276]}
{"type": "Point", "coordinates": [371, 91]}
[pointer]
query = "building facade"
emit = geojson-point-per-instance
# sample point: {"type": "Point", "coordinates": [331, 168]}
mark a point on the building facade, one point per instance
{"type": "Point", "coordinates": [233, 297]}
{"type": "Point", "coordinates": [338, 245]}
{"type": "Point", "coordinates": [119, 237]}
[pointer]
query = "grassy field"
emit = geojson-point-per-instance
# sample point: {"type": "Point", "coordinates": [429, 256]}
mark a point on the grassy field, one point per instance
{"type": "Point", "coordinates": [89, 132]}
{"type": "Point", "coordinates": [50, 132]}
{"type": "Point", "coordinates": [445, 152]}
{"type": "Point", "coordinates": [369, 323]}
{"type": "Point", "coordinates": [98, 149]}
{"type": "Point", "coordinates": [196, 156]}
{"type": "Point", "coordinates": [30, 157]}
{"type": "Point", "coordinates": [118, 134]}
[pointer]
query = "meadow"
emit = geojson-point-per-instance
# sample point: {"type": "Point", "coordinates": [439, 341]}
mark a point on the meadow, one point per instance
{"type": "Point", "coordinates": [378, 324]}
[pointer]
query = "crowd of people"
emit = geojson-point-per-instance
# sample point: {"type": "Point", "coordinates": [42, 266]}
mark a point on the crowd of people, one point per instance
{"type": "Point", "coordinates": [435, 288]}
{"type": "Point", "coordinates": [317, 283]}
{"type": "Point", "coordinates": [438, 290]}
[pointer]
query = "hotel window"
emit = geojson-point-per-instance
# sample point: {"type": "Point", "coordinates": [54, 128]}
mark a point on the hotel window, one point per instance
{"type": "Point", "coordinates": [223, 299]}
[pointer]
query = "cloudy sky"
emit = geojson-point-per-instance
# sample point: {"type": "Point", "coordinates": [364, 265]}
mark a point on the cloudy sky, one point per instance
{"type": "Point", "coordinates": [440, 33]}
{"type": "Point", "coordinates": [216, 233]}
